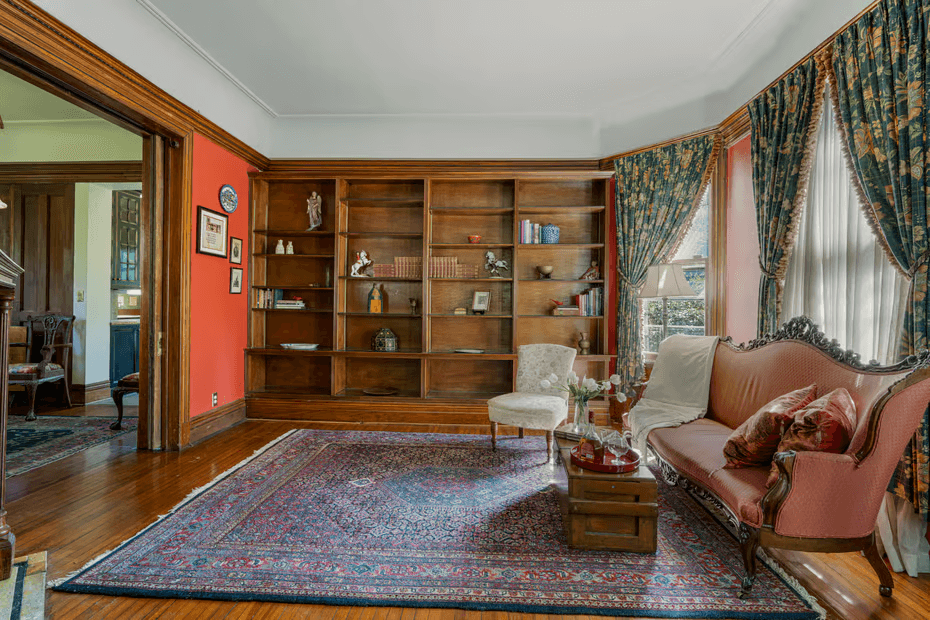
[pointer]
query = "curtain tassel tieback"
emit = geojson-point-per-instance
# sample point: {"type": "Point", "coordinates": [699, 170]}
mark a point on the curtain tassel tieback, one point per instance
{"type": "Point", "coordinates": [627, 281]}
{"type": "Point", "coordinates": [918, 264]}
{"type": "Point", "coordinates": [767, 272]}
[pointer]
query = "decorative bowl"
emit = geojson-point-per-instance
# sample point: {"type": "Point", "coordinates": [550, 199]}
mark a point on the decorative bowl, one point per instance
{"type": "Point", "coordinates": [545, 270]}
{"type": "Point", "coordinates": [474, 238]}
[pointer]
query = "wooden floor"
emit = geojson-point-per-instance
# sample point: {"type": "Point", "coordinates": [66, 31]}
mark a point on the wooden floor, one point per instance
{"type": "Point", "coordinates": [82, 506]}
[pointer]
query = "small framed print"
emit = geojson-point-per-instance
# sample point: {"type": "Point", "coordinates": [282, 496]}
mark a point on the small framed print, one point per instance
{"type": "Point", "coordinates": [211, 232]}
{"type": "Point", "coordinates": [235, 280]}
{"type": "Point", "coordinates": [480, 302]}
{"type": "Point", "coordinates": [235, 250]}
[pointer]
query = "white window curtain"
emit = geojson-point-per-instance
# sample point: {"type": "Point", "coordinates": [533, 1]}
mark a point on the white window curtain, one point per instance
{"type": "Point", "coordinates": [840, 277]}
{"type": "Point", "coordinates": [838, 274]}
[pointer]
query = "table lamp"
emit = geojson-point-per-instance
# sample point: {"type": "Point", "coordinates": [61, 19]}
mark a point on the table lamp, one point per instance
{"type": "Point", "coordinates": [666, 280]}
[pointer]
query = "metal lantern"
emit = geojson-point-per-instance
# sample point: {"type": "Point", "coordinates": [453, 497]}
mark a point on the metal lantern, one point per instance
{"type": "Point", "coordinates": [384, 340]}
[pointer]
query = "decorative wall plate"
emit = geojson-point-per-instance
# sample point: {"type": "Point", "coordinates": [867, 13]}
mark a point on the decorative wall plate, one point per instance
{"type": "Point", "coordinates": [229, 200]}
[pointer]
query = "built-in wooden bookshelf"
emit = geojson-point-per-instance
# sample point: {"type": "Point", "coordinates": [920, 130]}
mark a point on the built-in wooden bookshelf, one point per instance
{"type": "Point", "coordinates": [399, 222]}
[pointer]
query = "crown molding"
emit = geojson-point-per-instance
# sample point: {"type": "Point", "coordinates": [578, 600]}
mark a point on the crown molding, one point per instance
{"type": "Point", "coordinates": [213, 62]}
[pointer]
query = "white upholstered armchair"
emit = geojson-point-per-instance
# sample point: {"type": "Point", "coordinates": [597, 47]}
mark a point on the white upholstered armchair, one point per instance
{"type": "Point", "coordinates": [533, 406]}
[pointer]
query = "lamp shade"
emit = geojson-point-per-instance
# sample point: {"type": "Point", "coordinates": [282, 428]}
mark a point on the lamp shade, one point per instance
{"type": "Point", "coordinates": [666, 281]}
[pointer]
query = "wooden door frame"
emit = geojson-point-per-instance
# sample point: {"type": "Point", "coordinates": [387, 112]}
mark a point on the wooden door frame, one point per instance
{"type": "Point", "coordinates": [42, 50]}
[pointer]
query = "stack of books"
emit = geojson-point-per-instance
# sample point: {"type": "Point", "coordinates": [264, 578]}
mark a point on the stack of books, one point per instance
{"type": "Point", "coordinates": [383, 271]}
{"type": "Point", "coordinates": [466, 271]}
{"type": "Point", "coordinates": [530, 232]}
{"type": "Point", "coordinates": [443, 267]}
{"type": "Point", "coordinates": [410, 267]}
{"type": "Point", "coordinates": [289, 304]}
{"type": "Point", "coordinates": [591, 301]}
{"type": "Point", "coordinates": [566, 311]}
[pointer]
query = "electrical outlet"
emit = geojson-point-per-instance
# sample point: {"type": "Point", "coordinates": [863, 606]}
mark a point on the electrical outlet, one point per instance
{"type": "Point", "coordinates": [80, 296]}
{"type": "Point", "coordinates": [214, 398]}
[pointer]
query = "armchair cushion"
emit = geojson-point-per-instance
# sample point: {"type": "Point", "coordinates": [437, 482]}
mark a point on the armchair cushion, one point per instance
{"type": "Point", "coordinates": [31, 368]}
{"type": "Point", "coordinates": [528, 410]}
{"type": "Point", "coordinates": [129, 381]}
{"type": "Point", "coordinates": [754, 442]}
{"type": "Point", "coordinates": [825, 425]}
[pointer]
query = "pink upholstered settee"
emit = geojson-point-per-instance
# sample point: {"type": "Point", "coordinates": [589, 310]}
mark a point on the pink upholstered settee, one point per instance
{"type": "Point", "coordinates": [821, 502]}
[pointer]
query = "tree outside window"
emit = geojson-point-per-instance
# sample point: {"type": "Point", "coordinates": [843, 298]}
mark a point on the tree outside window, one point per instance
{"type": "Point", "coordinates": [686, 315]}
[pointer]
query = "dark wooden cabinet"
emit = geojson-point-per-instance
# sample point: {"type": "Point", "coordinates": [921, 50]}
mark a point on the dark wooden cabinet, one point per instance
{"type": "Point", "coordinates": [126, 234]}
{"type": "Point", "coordinates": [124, 351]}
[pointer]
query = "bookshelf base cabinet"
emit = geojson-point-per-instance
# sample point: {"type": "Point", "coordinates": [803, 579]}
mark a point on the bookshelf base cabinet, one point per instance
{"type": "Point", "coordinates": [411, 254]}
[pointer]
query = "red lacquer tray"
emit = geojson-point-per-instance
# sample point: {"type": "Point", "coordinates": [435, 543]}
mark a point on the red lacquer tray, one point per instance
{"type": "Point", "coordinates": [612, 465]}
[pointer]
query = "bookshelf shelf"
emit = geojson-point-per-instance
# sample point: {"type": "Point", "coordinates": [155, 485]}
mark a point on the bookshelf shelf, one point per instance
{"type": "Point", "coordinates": [418, 225]}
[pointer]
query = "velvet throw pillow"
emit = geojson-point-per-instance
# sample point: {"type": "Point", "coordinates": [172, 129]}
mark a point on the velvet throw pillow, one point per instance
{"type": "Point", "coordinates": [754, 442]}
{"type": "Point", "coordinates": [825, 425]}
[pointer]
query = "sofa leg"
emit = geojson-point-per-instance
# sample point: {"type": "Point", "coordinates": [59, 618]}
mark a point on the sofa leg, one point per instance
{"type": "Point", "coordinates": [886, 583]}
{"type": "Point", "coordinates": [494, 435]}
{"type": "Point", "coordinates": [521, 432]}
{"type": "Point", "coordinates": [550, 436]}
{"type": "Point", "coordinates": [748, 545]}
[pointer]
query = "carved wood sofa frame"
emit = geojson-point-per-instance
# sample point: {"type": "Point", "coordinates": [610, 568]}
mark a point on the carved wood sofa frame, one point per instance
{"type": "Point", "coordinates": [751, 538]}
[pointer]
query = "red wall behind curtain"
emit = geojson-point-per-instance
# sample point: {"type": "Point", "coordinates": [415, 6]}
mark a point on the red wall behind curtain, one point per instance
{"type": "Point", "coordinates": [219, 320]}
{"type": "Point", "coordinates": [743, 271]}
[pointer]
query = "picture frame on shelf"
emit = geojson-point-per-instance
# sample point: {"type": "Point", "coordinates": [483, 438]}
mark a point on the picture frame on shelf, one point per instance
{"type": "Point", "coordinates": [480, 302]}
{"type": "Point", "coordinates": [211, 232]}
{"type": "Point", "coordinates": [235, 280]}
{"type": "Point", "coordinates": [235, 250]}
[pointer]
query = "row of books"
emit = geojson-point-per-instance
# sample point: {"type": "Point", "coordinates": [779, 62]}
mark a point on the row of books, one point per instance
{"type": "Point", "coordinates": [275, 299]}
{"type": "Point", "coordinates": [531, 232]}
{"type": "Point", "coordinates": [412, 267]}
{"type": "Point", "coordinates": [289, 304]}
{"type": "Point", "coordinates": [591, 302]}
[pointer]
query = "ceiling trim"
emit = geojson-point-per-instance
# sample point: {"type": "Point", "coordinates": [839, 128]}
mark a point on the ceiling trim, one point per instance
{"type": "Point", "coordinates": [213, 62]}
{"type": "Point", "coordinates": [71, 172]}
{"type": "Point", "coordinates": [734, 43]}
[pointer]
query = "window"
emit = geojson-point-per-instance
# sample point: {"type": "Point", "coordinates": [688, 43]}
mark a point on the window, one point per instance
{"type": "Point", "coordinates": [686, 315]}
{"type": "Point", "coordinates": [838, 274]}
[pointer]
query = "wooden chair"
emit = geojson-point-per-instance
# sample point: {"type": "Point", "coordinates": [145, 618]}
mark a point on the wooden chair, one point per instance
{"type": "Point", "coordinates": [48, 336]}
{"type": "Point", "coordinates": [127, 385]}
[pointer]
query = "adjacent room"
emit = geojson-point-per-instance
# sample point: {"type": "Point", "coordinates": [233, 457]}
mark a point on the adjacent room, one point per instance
{"type": "Point", "coordinates": [474, 310]}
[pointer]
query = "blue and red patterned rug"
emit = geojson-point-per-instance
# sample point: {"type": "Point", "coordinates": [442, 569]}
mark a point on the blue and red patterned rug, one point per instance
{"type": "Point", "coordinates": [33, 444]}
{"type": "Point", "coordinates": [424, 520]}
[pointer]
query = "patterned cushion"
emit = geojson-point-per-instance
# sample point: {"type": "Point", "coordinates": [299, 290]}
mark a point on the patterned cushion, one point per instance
{"type": "Point", "coordinates": [130, 381]}
{"type": "Point", "coordinates": [754, 442]}
{"type": "Point", "coordinates": [30, 368]}
{"type": "Point", "coordinates": [528, 410]}
{"type": "Point", "coordinates": [825, 425]}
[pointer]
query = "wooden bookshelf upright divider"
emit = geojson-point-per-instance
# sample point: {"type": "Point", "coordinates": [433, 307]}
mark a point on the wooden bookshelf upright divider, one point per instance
{"type": "Point", "coordinates": [421, 216]}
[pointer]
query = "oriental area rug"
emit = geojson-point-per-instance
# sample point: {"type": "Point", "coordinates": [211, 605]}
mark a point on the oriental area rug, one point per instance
{"type": "Point", "coordinates": [33, 444]}
{"type": "Point", "coordinates": [425, 520]}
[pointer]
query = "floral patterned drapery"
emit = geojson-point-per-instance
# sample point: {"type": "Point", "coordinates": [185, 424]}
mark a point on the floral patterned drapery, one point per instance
{"type": "Point", "coordinates": [880, 71]}
{"type": "Point", "coordinates": [657, 193]}
{"type": "Point", "coordinates": [784, 121]}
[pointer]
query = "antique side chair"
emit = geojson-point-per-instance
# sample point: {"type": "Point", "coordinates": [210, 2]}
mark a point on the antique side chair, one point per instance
{"type": "Point", "coordinates": [48, 340]}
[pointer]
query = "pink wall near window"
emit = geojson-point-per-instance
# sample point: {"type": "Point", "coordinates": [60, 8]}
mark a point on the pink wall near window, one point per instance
{"type": "Point", "coordinates": [743, 271]}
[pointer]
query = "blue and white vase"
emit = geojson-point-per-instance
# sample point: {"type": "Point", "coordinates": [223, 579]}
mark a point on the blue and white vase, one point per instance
{"type": "Point", "coordinates": [550, 233]}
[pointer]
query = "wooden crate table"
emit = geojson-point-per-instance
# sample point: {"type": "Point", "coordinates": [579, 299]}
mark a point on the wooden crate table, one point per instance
{"type": "Point", "coordinates": [608, 511]}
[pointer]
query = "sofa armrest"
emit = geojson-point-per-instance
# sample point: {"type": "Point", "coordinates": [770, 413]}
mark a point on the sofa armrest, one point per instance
{"type": "Point", "coordinates": [822, 495]}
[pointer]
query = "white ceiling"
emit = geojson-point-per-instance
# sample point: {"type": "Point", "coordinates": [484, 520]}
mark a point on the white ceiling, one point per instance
{"type": "Point", "coordinates": [458, 78]}
{"type": "Point", "coordinates": [526, 57]}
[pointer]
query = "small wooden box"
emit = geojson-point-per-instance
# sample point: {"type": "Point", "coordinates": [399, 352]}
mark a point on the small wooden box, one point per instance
{"type": "Point", "coordinates": [608, 511]}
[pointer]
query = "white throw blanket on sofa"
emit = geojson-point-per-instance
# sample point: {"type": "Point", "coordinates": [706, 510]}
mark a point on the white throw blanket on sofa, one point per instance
{"type": "Point", "coordinates": [678, 388]}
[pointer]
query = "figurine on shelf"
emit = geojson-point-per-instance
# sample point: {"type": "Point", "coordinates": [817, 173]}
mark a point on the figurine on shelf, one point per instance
{"type": "Point", "coordinates": [414, 306]}
{"type": "Point", "coordinates": [315, 210]}
{"type": "Point", "coordinates": [361, 263]}
{"type": "Point", "coordinates": [279, 249]}
{"type": "Point", "coordinates": [494, 265]}
{"type": "Point", "coordinates": [375, 300]}
{"type": "Point", "coordinates": [593, 273]}
{"type": "Point", "coordinates": [290, 248]}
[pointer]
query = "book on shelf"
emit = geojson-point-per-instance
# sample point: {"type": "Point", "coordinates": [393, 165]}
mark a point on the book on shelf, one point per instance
{"type": "Point", "coordinates": [383, 271]}
{"type": "Point", "coordinates": [591, 301]}
{"type": "Point", "coordinates": [466, 271]}
{"type": "Point", "coordinates": [566, 311]}
{"type": "Point", "coordinates": [530, 232]}
{"type": "Point", "coordinates": [289, 304]}
{"type": "Point", "coordinates": [443, 266]}
{"type": "Point", "coordinates": [409, 267]}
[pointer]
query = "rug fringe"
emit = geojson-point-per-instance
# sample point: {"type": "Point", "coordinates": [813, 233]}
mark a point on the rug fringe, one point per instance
{"type": "Point", "coordinates": [190, 496]}
{"type": "Point", "coordinates": [793, 583]}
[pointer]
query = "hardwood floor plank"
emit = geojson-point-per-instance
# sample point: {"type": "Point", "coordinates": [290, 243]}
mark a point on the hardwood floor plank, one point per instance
{"type": "Point", "coordinates": [89, 503]}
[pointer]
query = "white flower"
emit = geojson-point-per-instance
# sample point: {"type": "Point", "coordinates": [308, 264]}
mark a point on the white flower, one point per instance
{"type": "Point", "coordinates": [589, 384]}
{"type": "Point", "coordinates": [604, 386]}
{"type": "Point", "coordinates": [546, 384]}
{"type": "Point", "coordinates": [615, 379]}
{"type": "Point", "coordinates": [572, 377]}
{"type": "Point", "coordinates": [553, 378]}
{"type": "Point", "coordinates": [621, 397]}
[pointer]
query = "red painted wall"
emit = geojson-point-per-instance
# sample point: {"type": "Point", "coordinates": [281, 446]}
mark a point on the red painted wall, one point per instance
{"type": "Point", "coordinates": [743, 271]}
{"type": "Point", "coordinates": [219, 320]}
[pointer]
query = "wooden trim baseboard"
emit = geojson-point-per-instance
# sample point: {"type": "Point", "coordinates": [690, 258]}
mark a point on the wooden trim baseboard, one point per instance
{"type": "Point", "coordinates": [92, 392]}
{"type": "Point", "coordinates": [72, 172]}
{"type": "Point", "coordinates": [216, 420]}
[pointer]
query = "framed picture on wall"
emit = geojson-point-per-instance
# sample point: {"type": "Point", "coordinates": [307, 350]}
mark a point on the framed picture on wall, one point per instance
{"type": "Point", "coordinates": [235, 280]}
{"type": "Point", "coordinates": [211, 232]}
{"type": "Point", "coordinates": [235, 250]}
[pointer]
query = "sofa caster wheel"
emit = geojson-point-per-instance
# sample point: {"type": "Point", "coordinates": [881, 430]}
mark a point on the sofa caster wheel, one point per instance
{"type": "Point", "coordinates": [745, 589]}
{"type": "Point", "coordinates": [884, 591]}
